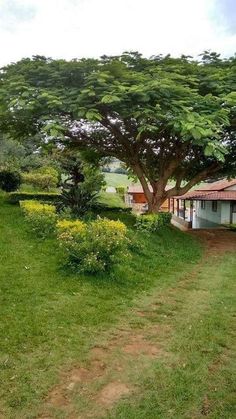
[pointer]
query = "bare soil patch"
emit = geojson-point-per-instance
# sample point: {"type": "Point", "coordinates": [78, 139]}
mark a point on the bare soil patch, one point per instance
{"type": "Point", "coordinates": [138, 345]}
{"type": "Point", "coordinates": [216, 241]}
{"type": "Point", "coordinates": [112, 392]}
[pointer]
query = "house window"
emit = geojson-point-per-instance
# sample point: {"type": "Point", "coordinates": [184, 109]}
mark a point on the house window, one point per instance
{"type": "Point", "coordinates": [203, 204]}
{"type": "Point", "coordinates": [214, 206]}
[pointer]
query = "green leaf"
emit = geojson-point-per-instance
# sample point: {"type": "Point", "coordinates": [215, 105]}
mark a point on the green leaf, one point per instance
{"type": "Point", "coordinates": [110, 99]}
{"type": "Point", "coordinates": [209, 149]}
{"type": "Point", "coordinates": [93, 115]}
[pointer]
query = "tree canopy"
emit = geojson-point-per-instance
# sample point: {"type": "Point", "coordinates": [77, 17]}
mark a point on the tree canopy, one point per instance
{"type": "Point", "coordinates": [165, 118]}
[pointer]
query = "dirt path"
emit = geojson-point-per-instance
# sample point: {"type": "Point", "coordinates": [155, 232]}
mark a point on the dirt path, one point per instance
{"type": "Point", "coordinates": [94, 388]}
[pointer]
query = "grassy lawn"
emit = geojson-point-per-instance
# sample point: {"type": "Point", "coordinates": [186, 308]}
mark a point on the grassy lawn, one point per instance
{"type": "Point", "coordinates": [197, 377]}
{"type": "Point", "coordinates": [111, 199]}
{"type": "Point", "coordinates": [51, 319]}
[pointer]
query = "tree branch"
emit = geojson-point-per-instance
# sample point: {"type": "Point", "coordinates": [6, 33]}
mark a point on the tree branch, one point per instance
{"type": "Point", "coordinates": [177, 190]}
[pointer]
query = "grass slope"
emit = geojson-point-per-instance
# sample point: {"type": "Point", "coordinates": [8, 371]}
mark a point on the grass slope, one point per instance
{"type": "Point", "coordinates": [117, 179]}
{"type": "Point", "coordinates": [51, 317]}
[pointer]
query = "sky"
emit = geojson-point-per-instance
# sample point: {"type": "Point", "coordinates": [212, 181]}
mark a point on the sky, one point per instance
{"type": "Point", "coordinates": [91, 28]}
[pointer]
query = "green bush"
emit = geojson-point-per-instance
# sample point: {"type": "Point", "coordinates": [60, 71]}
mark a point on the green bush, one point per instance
{"type": "Point", "coordinates": [47, 197]}
{"type": "Point", "coordinates": [45, 178]}
{"type": "Point", "coordinates": [121, 190]}
{"type": "Point", "coordinates": [153, 222]}
{"type": "Point", "coordinates": [41, 218]}
{"type": "Point", "coordinates": [9, 180]}
{"type": "Point", "coordinates": [93, 247]}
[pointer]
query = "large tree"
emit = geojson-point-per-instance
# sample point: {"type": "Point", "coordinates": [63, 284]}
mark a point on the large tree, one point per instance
{"type": "Point", "coordinates": [165, 118]}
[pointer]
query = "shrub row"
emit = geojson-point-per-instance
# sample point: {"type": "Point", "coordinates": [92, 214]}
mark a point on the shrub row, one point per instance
{"type": "Point", "coordinates": [153, 222]}
{"type": "Point", "coordinates": [103, 208]}
{"type": "Point", "coordinates": [90, 247]}
{"type": "Point", "coordinates": [47, 197]}
{"type": "Point", "coordinates": [41, 218]}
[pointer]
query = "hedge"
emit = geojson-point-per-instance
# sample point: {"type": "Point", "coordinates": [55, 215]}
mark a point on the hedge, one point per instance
{"type": "Point", "coordinates": [153, 222]}
{"type": "Point", "coordinates": [16, 197]}
{"type": "Point", "coordinates": [103, 208]}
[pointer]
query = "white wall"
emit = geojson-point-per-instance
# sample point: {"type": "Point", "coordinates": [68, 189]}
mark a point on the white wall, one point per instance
{"type": "Point", "coordinates": [207, 213]}
{"type": "Point", "coordinates": [225, 212]}
{"type": "Point", "coordinates": [231, 188]}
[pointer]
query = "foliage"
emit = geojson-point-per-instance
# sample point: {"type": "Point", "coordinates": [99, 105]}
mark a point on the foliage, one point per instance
{"type": "Point", "coordinates": [83, 181]}
{"type": "Point", "coordinates": [95, 246]}
{"type": "Point", "coordinates": [22, 156]}
{"type": "Point", "coordinates": [12, 153]}
{"type": "Point", "coordinates": [45, 178]}
{"type": "Point", "coordinates": [153, 222]}
{"type": "Point", "coordinates": [164, 118]}
{"type": "Point", "coordinates": [78, 199]}
{"type": "Point", "coordinates": [9, 180]}
{"type": "Point", "coordinates": [121, 190]}
{"type": "Point", "coordinates": [232, 227]}
{"type": "Point", "coordinates": [41, 218]}
{"type": "Point", "coordinates": [16, 197]}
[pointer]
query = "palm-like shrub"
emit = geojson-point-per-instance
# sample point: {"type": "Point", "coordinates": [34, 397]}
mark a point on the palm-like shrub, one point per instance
{"type": "Point", "coordinates": [78, 199]}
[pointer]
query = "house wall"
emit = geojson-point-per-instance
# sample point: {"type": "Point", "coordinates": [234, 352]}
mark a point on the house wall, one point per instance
{"type": "Point", "coordinates": [139, 198]}
{"type": "Point", "coordinates": [231, 188]}
{"type": "Point", "coordinates": [207, 213]}
{"type": "Point", "coordinates": [225, 212]}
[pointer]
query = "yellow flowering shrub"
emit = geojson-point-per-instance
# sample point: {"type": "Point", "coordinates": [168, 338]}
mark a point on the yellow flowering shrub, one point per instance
{"type": "Point", "coordinates": [94, 246]}
{"type": "Point", "coordinates": [41, 218]}
{"type": "Point", "coordinates": [76, 226]}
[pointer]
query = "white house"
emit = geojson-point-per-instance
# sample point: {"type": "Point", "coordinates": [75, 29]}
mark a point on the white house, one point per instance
{"type": "Point", "coordinates": [211, 205]}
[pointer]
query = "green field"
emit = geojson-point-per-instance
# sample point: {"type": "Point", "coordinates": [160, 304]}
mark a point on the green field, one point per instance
{"type": "Point", "coordinates": [116, 179]}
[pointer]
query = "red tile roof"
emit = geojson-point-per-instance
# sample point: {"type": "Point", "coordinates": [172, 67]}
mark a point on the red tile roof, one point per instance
{"type": "Point", "coordinates": [217, 186]}
{"type": "Point", "coordinates": [139, 189]}
{"type": "Point", "coordinates": [209, 192]}
{"type": "Point", "coordinates": [136, 189]}
{"type": "Point", "coordinates": [209, 196]}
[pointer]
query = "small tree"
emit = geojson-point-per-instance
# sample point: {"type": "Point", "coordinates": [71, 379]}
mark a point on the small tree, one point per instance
{"type": "Point", "coordinates": [82, 183]}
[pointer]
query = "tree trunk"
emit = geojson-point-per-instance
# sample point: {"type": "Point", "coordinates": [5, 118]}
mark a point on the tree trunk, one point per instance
{"type": "Point", "coordinates": [157, 200]}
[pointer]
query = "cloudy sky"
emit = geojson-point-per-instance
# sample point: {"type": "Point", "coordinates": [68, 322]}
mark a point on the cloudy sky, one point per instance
{"type": "Point", "coordinates": [86, 28]}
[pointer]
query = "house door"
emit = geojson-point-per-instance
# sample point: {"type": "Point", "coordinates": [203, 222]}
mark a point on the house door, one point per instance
{"type": "Point", "coordinates": [233, 212]}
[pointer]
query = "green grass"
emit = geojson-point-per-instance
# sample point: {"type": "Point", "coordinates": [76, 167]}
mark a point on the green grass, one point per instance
{"type": "Point", "coordinates": [51, 317]}
{"type": "Point", "coordinates": [198, 377]}
{"type": "Point", "coordinates": [116, 179]}
{"type": "Point", "coordinates": [111, 199]}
